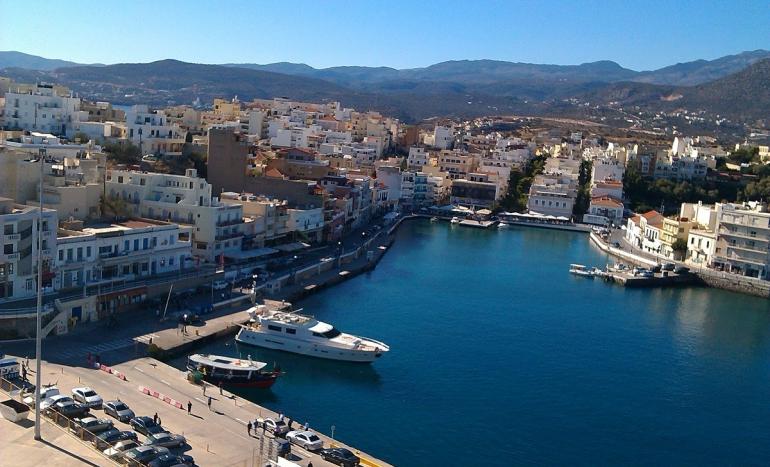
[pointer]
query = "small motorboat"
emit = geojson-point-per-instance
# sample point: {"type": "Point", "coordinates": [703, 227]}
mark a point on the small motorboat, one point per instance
{"type": "Point", "coordinates": [455, 220]}
{"type": "Point", "coordinates": [581, 270]}
{"type": "Point", "coordinates": [502, 225]}
{"type": "Point", "coordinates": [434, 219]}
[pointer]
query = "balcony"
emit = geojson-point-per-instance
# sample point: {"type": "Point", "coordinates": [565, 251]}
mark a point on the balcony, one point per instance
{"type": "Point", "coordinates": [228, 236]}
{"type": "Point", "coordinates": [225, 223]}
{"type": "Point", "coordinates": [727, 232]}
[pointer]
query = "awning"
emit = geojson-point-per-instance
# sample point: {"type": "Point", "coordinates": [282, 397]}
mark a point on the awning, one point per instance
{"type": "Point", "coordinates": [248, 254]}
{"type": "Point", "coordinates": [292, 246]}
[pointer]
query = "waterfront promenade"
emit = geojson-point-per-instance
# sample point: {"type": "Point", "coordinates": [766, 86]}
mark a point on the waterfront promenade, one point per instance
{"type": "Point", "coordinates": [215, 437]}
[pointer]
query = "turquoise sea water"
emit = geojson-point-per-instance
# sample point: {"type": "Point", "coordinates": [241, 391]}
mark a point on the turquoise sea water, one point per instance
{"type": "Point", "coordinates": [501, 357]}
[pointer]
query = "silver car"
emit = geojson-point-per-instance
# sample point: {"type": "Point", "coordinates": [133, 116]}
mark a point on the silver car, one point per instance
{"type": "Point", "coordinates": [166, 440]}
{"type": "Point", "coordinates": [277, 427]}
{"type": "Point", "coordinates": [92, 425]}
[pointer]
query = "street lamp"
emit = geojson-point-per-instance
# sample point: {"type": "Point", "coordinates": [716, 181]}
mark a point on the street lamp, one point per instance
{"type": "Point", "coordinates": [38, 327]}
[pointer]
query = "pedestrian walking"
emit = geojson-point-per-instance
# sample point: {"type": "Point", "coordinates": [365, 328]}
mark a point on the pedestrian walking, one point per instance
{"type": "Point", "coordinates": [220, 388]}
{"type": "Point", "coordinates": [155, 418]}
{"type": "Point", "coordinates": [209, 402]}
{"type": "Point", "coordinates": [189, 407]}
{"type": "Point", "coordinates": [160, 422]}
{"type": "Point", "coordinates": [204, 388]}
{"type": "Point", "coordinates": [248, 428]}
{"type": "Point", "coordinates": [24, 372]}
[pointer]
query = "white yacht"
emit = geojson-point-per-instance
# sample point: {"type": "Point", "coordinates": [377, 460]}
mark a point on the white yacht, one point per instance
{"type": "Point", "coordinates": [305, 335]}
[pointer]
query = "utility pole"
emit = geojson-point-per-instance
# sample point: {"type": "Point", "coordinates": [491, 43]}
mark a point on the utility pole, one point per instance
{"type": "Point", "coordinates": [38, 328]}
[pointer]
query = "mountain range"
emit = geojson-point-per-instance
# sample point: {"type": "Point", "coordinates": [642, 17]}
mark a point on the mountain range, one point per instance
{"type": "Point", "coordinates": [455, 88]}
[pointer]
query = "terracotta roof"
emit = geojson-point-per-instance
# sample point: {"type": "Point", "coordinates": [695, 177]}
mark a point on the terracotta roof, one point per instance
{"type": "Point", "coordinates": [651, 214]}
{"type": "Point", "coordinates": [635, 219]}
{"type": "Point", "coordinates": [274, 173]}
{"type": "Point", "coordinates": [606, 201]}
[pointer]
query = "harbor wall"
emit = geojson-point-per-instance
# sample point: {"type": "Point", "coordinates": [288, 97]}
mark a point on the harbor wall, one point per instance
{"type": "Point", "coordinates": [708, 277]}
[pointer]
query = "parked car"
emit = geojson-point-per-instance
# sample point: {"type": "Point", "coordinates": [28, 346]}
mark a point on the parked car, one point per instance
{"type": "Point", "coordinates": [143, 455]}
{"type": "Point", "coordinates": [306, 439]}
{"type": "Point", "coordinates": [681, 269]}
{"type": "Point", "coordinates": [119, 410]}
{"type": "Point", "coordinates": [113, 436]}
{"type": "Point", "coordinates": [169, 460]}
{"type": "Point", "coordinates": [92, 425]}
{"type": "Point", "coordinates": [87, 397]}
{"type": "Point", "coordinates": [116, 451]}
{"type": "Point", "coordinates": [145, 426]}
{"type": "Point", "coordinates": [45, 393]}
{"type": "Point", "coordinates": [656, 268]}
{"type": "Point", "coordinates": [167, 440]}
{"type": "Point", "coordinates": [48, 402]}
{"type": "Point", "coordinates": [70, 409]}
{"type": "Point", "coordinates": [277, 427]}
{"type": "Point", "coordinates": [282, 447]}
{"type": "Point", "coordinates": [669, 266]}
{"type": "Point", "coordinates": [340, 456]}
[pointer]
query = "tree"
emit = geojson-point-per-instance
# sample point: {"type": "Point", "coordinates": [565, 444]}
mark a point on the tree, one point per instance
{"type": "Point", "coordinates": [757, 191]}
{"type": "Point", "coordinates": [680, 247]}
{"type": "Point", "coordinates": [583, 199]}
{"type": "Point", "coordinates": [125, 153]}
{"type": "Point", "coordinates": [82, 137]}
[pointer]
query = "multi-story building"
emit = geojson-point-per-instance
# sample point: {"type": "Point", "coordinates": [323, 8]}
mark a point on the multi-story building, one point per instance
{"type": "Point", "coordinates": [120, 252]}
{"type": "Point", "coordinates": [43, 108]}
{"type": "Point", "coordinates": [475, 191]}
{"type": "Point", "coordinates": [743, 239]}
{"type": "Point", "coordinates": [152, 132]}
{"type": "Point", "coordinates": [673, 229]}
{"type": "Point", "coordinates": [443, 137]}
{"type": "Point", "coordinates": [604, 210]}
{"type": "Point", "coordinates": [456, 164]}
{"type": "Point", "coordinates": [18, 258]}
{"type": "Point", "coordinates": [184, 199]}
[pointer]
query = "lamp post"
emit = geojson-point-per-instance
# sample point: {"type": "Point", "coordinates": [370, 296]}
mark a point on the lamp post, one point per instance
{"type": "Point", "coordinates": [38, 327]}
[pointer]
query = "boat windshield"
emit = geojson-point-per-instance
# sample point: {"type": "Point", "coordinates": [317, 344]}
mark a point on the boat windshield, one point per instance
{"type": "Point", "coordinates": [331, 333]}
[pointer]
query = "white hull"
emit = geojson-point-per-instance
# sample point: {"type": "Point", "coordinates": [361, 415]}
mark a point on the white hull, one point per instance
{"type": "Point", "coordinates": [302, 347]}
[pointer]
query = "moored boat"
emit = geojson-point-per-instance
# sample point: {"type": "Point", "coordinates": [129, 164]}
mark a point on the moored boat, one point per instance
{"type": "Point", "coordinates": [580, 270]}
{"type": "Point", "coordinates": [305, 335]}
{"type": "Point", "coordinates": [216, 369]}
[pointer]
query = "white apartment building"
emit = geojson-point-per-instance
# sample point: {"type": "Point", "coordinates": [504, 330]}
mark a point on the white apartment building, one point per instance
{"type": "Point", "coordinates": [152, 132]}
{"type": "Point", "coordinates": [554, 199]}
{"type": "Point", "coordinates": [185, 199]}
{"type": "Point", "coordinates": [19, 254]}
{"type": "Point", "coordinates": [443, 137]}
{"type": "Point", "coordinates": [743, 239]}
{"type": "Point", "coordinates": [43, 109]}
{"type": "Point", "coordinates": [130, 250]}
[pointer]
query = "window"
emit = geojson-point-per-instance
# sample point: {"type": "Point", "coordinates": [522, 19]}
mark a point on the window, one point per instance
{"type": "Point", "coordinates": [145, 243]}
{"type": "Point", "coordinates": [8, 229]}
{"type": "Point", "coordinates": [274, 328]}
{"type": "Point", "coordinates": [291, 331]}
{"type": "Point", "coordinates": [8, 248]}
{"type": "Point", "coordinates": [136, 244]}
{"type": "Point", "coordinates": [61, 255]}
{"type": "Point", "coordinates": [88, 251]}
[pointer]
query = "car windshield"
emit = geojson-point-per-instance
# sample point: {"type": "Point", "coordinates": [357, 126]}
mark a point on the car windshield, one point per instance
{"type": "Point", "coordinates": [121, 406]}
{"type": "Point", "coordinates": [89, 393]}
{"type": "Point", "coordinates": [313, 438]}
{"type": "Point", "coordinates": [279, 423]}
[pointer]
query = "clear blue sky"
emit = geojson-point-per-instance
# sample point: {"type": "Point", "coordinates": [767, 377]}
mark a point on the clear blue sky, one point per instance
{"type": "Point", "coordinates": [397, 33]}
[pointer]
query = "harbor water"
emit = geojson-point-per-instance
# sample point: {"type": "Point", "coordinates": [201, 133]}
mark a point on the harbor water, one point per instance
{"type": "Point", "coordinates": [499, 356]}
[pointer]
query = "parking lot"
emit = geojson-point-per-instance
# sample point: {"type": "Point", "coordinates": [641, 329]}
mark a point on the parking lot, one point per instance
{"type": "Point", "coordinates": [215, 436]}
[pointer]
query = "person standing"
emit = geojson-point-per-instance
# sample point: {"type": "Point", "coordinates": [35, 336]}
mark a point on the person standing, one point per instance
{"type": "Point", "coordinates": [155, 418]}
{"type": "Point", "coordinates": [189, 408]}
{"type": "Point", "coordinates": [248, 428]}
{"type": "Point", "coordinates": [209, 402]}
{"type": "Point", "coordinates": [220, 388]}
{"type": "Point", "coordinates": [204, 388]}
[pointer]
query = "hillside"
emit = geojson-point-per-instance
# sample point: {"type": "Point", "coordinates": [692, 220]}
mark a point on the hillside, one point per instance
{"type": "Point", "coordinates": [744, 95]}
{"type": "Point", "coordinates": [13, 59]}
{"type": "Point", "coordinates": [702, 71]}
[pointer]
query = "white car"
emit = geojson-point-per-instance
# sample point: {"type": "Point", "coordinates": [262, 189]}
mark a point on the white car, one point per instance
{"type": "Point", "coordinates": [306, 439]}
{"type": "Point", "coordinates": [87, 397]}
{"type": "Point", "coordinates": [119, 448]}
{"type": "Point", "coordinates": [277, 427]}
{"type": "Point", "coordinates": [50, 401]}
{"type": "Point", "coordinates": [45, 393]}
